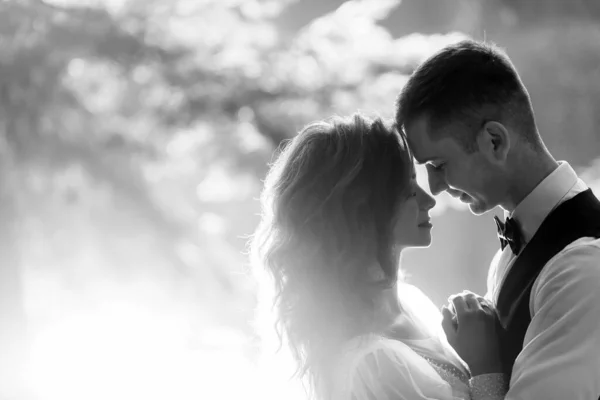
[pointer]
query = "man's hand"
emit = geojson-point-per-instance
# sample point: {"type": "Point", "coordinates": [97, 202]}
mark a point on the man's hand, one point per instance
{"type": "Point", "coordinates": [471, 326]}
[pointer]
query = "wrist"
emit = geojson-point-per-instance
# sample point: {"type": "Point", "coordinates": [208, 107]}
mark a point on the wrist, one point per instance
{"type": "Point", "coordinates": [489, 386]}
{"type": "Point", "coordinates": [487, 368]}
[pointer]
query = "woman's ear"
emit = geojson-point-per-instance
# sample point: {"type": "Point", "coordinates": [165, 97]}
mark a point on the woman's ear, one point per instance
{"type": "Point", "coordinates": [494, 142]}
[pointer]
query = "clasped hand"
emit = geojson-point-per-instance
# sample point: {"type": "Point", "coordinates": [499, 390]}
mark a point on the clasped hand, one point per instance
{"type": "Point", "coordinates": [473, 330]}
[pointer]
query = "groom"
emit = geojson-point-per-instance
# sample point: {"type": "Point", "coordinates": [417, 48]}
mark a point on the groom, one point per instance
{"type": "Point", "coordinates": [469, 118]}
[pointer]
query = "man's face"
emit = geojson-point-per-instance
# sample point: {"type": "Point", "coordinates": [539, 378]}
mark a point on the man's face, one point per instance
{"type": "Point", "coordinates": [466, 176]}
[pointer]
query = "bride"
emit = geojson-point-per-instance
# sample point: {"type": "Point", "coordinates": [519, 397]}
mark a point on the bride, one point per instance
{"type": "Point", "coordinates": [339, 205]}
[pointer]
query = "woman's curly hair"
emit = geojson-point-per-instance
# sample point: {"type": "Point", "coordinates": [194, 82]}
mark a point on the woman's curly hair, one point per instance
{"type": "Point", "coordinates": [329, 202]}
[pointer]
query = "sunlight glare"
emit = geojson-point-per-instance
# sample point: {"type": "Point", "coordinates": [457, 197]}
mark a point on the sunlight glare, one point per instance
{"type": "Point", "coordinates": [123, 352]}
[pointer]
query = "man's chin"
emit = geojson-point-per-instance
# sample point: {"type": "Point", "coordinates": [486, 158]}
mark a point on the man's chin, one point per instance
{"type": "Point", "coordinates": [478, 208]}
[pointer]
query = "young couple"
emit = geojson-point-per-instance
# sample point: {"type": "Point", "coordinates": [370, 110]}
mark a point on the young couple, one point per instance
{"type": "Point", "coordinates": [341, 203]}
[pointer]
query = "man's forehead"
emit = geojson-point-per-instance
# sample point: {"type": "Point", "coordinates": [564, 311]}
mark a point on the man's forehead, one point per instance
{"type": "Point", "coordinates": [417, 136]}
{"type": "Point", "coordinates": [424, 149]}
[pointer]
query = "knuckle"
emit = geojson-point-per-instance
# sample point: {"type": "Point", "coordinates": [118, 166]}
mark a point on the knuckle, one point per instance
{"type": "Point", "coordinates": [470, 296]}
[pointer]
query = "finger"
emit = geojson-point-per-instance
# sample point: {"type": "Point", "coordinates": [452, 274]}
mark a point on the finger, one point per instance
{"type": "Point", "coordinates": [463, 312]}
{"type": "Point", "coordinates": [484, 301]}
{"type": "Point", "coordinates": [447, 314]}
{"type": "Point", "coordinates": [486, 305]}
{"type": "Point", "coordinates": [460, 306]}
{"type": "Point", "coordinates": [450, 306]}
{"type": "Point", "coordinates": [450, 318]}
{"type": "Point", "coordinates": [448, 324]}
{"type": "Point", "coordinates": [471, 295]}
{"type": "Point", "coordinates": [471, 301]}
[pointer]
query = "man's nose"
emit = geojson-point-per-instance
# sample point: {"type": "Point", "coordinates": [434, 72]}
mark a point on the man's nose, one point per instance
{"type": "Point", "coordinates": [437, 183]}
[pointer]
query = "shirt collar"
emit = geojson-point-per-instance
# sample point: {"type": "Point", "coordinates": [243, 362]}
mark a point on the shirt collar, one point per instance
{"type": "Point", "coordinates": [535, 207]}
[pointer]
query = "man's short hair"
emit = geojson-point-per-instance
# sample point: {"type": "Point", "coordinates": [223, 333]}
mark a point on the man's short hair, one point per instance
{"type": "Point", "coordinates": [468, 82]}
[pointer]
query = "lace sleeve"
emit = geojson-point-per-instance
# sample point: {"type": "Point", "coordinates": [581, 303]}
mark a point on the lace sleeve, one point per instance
{"type": "Point", "coordinates": [395, 372]}
{"type": "Point", "coordinates": [489, 386]}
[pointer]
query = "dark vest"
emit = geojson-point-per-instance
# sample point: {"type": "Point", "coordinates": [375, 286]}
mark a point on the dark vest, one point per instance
{"type": "Point", "coordinates": [573, 219]}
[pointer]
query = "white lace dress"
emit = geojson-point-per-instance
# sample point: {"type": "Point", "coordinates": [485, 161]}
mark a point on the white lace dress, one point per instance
{"type": "Point", "coordinates": [379, 367]}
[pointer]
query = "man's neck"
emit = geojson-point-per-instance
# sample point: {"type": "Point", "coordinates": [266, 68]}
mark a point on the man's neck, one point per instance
{"type": "Point", "coordinates": [527, 177]}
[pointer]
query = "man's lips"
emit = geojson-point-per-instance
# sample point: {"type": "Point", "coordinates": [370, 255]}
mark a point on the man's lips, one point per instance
{"type": "Point", "coordinates": [461, 196]}
{"type": "Point", "coordinates": [466, 198]}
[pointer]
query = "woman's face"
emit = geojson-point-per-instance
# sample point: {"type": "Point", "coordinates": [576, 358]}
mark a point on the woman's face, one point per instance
{"type": "Point", "coordinates": [412, 226]}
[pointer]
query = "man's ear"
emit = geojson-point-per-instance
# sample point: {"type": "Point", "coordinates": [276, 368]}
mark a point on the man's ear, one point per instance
{"type": "Point", "coordinates": [494, 142]}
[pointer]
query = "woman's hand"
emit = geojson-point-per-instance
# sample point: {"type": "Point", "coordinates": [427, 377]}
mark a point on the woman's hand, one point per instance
{"type": "Point", "coordinates": [473, 330]}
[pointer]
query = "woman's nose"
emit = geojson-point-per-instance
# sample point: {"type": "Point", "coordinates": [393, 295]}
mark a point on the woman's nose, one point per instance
{"type": "Point", "coordinates": [432, 201]}
{"type": "Point", "coordinates": [429, 201]}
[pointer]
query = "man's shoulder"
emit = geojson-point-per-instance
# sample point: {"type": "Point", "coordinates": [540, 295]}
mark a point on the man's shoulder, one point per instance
{"type": "Point", "coordinates": [578, 260]}
{"type": "Point", "coordinates": [575, 269]}
{"type": "Point", "coordinates": [582, 247]}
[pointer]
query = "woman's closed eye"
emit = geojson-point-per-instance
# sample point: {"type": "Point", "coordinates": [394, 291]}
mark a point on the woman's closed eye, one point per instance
{"type": "Point", "coordinates": [413, 186]}
{"type": "Point", "coordinates": [411, 192]}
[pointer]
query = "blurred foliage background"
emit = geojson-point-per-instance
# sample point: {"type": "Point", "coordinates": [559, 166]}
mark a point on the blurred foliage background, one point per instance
{"type": "Point", "coordinates": [134, 135]}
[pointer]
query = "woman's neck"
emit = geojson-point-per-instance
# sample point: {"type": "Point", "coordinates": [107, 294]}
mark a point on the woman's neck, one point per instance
{"type": "Point", "coordinates": [395, 323]}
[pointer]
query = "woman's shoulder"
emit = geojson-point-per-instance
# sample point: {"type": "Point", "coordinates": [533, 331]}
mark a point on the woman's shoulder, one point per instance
{"type": "Point", "coordinates": [371, 362]}
{"type": "Point", "coordinates": [369, 352]}
{"type": "Point", "coordinates": [360, 346]}
{"type": "Point", "coordinates": [359, 350]}
{"type": "Point", "coordinates": [413, 295]}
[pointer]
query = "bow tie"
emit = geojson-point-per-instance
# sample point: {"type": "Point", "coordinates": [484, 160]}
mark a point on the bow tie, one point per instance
{"type": "Point", "coordinates": [509, 234]}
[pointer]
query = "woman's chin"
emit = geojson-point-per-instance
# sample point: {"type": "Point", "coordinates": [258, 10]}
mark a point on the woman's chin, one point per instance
{"type": "Point", "coordinates": [425, 244]}
{"type": "Point", "coordinates": [425, 239]}
{"type": "Point", "coordinates": [420, 238]}
{"type": "Point", "coordinates": [420, 243]}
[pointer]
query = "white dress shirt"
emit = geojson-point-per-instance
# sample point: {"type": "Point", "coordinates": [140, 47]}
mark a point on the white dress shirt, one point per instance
{"type": "Point", "coordinates": [561, 353]}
